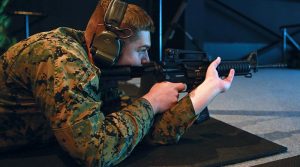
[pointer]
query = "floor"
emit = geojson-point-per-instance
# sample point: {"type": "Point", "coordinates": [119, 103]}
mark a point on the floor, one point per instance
{"type": "Point", "coordinates": [267, 105]}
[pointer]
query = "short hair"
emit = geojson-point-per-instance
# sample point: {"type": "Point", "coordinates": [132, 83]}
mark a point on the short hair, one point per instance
{"type": "Point", "coordinates": [137, 19]}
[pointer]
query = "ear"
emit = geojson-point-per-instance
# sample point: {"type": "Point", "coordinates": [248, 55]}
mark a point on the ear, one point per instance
{"type": "Point", "coordinates": [106, 48]}
{"type": "Point", "coordinates": [106, 45]}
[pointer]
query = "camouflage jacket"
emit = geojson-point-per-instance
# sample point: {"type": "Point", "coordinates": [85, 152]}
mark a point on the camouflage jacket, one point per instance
{"type": "Point", "coordinates": [48, 86]}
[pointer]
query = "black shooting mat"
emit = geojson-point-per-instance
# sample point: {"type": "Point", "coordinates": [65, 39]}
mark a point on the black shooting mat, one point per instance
{"type": "Point", "coordinates": [32, 156]}
{"type": "Point", "coordinates": [212, 143]}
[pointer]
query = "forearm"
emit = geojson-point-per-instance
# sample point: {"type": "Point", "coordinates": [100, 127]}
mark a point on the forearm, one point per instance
{"type": "Point", "coordinates": [203, 95]}
{"type": "Point", "coordinates": [169, 126]}
{"type": "Point", "coordinates": [125, 129]}
{"type": "Point", "coordinates": [107, 140]}
{"type": "Point", "coordinates": [212, 86]}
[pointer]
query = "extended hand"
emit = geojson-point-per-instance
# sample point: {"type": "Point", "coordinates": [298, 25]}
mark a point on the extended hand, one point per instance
{"type": "Point", "coordinates": [202, 95]}
{"type": "Point", "coordinates": [213, 76]}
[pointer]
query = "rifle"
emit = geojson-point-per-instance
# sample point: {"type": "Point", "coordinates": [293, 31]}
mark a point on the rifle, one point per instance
{"type": "Point", "coordinates": [184, 66]}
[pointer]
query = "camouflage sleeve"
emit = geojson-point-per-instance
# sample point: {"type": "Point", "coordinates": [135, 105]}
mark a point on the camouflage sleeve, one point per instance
{"type": "Point", "coordinates": [172, 124]}
{"type": "Point", "coordinates": [73, 108]}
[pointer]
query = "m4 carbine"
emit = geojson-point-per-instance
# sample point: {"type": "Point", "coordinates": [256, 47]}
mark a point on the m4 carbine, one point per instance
{"type": "Point", "coordinates": [184, 66]}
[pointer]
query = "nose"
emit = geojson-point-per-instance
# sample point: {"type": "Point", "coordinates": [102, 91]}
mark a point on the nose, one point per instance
{"type": "Point", "coordinates": [145, 58]}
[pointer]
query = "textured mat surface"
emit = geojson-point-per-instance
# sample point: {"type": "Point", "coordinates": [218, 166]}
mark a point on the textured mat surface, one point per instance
{"type": "Point", "coordinates": [212, 143]}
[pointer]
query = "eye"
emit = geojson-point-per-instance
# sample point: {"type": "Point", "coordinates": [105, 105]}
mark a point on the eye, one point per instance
{"type": "Point", "coordinates": [142, 50]}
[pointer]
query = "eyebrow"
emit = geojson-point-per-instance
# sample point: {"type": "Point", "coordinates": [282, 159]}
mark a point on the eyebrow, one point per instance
{"type": "Point", "coordinates": [146, 46]}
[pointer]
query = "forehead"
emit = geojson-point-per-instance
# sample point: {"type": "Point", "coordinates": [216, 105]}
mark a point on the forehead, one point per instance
{"type": "Point", "coordinates": [142, 38]}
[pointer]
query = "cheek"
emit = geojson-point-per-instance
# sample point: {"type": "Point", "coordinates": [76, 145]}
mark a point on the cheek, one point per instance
{"type": "Point", "coordinates": [129, 58]}
{"type": "Point", "coordinates": [133, 59]}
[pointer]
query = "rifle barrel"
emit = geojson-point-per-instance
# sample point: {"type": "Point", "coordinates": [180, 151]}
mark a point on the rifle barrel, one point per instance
{"type": "Point", "coordinates": [278, 65]}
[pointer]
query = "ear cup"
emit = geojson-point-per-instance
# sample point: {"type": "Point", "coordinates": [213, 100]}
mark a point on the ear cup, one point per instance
{"type": "Point", "coordinates": [106, 48]}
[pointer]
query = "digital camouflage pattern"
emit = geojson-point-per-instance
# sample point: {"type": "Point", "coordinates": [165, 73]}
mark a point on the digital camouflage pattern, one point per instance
{"type": "Point", "coordinates": [50, 89]}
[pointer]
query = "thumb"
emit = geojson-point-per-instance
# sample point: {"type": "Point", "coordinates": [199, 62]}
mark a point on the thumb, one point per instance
{"type": "Point", "coordinates": [180, 87]}
{"type": "Point", "coordinates": [216, 62]}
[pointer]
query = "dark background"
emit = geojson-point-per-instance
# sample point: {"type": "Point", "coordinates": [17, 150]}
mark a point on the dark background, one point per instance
{"type": "Point", "coordinates": [216, 29]}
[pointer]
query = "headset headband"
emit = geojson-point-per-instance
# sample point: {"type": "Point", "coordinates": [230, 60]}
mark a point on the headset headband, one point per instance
{"type": "Point", "coordinates": [115, 13]}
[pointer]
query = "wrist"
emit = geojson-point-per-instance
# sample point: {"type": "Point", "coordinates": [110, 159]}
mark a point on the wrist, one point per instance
{"type": "Point", "coordinates": [202, 95]}
{"type": "Point", "coordinates": [152, 102]}
{"type": "Point", "coordinates": [211, 85]}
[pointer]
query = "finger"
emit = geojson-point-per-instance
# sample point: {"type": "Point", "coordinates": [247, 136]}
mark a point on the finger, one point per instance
{"type": "Point", "coordinates": [230, 76]}
{"type": "Point", "coordinates": [185, 88]}
{"type": "Point", "coordinates": [216, 62]}
{"type": "Point", "coordinates": [180, 87]}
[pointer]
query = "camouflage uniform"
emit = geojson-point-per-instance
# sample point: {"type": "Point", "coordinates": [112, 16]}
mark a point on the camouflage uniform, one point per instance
{"type": "Point", "coordinates": [48, 86]}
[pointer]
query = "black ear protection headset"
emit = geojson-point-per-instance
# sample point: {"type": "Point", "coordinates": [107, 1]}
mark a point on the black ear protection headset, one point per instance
{"type": "Point", "coordinates": [106, 47]}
